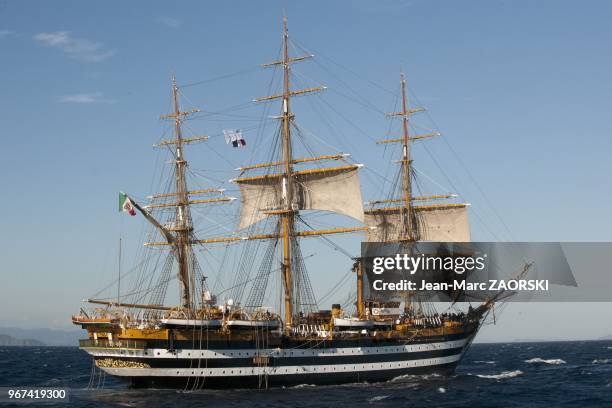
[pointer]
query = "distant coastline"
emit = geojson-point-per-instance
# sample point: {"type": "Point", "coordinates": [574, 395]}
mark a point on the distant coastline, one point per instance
{"type": "Point", "coordinates": [13, 336]}
{"type": "Point", "coordinates": [6, 340]}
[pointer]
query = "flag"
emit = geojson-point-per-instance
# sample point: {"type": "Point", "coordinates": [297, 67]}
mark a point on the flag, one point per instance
{"type": "Point", "coordinates": [125, 204]}
{"type": "Point", "coordinates": [234, 136]}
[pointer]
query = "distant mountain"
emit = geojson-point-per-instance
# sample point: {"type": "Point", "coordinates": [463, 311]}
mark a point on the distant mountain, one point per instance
{"type": "Point", "coordinates": [49, 337]}
{"type": "Point", "coordinates": [6, 340]}
{"type": "Point", "coordinates": [608, 337]}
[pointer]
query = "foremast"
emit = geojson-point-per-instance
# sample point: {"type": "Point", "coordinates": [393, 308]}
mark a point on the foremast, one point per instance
{"type": "Point", "coordinates": [409, 226]}
{"type": "Point", "coordinates": [399, 219]}
{"type": "Point", "coordinates": [403, 208]}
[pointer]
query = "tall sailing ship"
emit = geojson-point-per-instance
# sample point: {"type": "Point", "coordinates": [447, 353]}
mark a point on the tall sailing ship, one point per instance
{"type": "Point", "coordinates": [208, 342]}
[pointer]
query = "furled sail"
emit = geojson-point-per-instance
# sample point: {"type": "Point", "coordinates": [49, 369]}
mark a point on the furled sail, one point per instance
{"type": "Point", "coordinates": [334, 189]}
{"type": "Point", "coordinates": [443, 223]}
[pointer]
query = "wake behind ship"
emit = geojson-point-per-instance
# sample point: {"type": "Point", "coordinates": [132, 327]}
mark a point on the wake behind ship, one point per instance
{"type": "Point", "coordinates": [240, 342]}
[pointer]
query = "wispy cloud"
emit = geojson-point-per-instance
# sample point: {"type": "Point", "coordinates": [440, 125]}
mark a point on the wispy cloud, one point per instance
{"type": "Point", "coordinates": [77, 48]}
{"type": "Point", "coordinates": [94, 97]}
{"type": "Point", "coordinates": [168, 22]}
{"type": "Point", "coordinates": [7, 34]}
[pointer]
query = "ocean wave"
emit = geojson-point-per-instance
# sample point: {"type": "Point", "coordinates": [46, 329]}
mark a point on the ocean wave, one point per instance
{"type": "Point", "coordinates": [554, 361]}
{"type": "Point", "coordinates": [304, 386]}
{"type": "Point", "coordinates": [601, 361]}
{"type": "Point", "coordinates": [378, 398]}
{"type": "Point", "coordinates": [414, 377]}
{"type": "Point", "coordinates": [502, 375]}
{"type": "Point", "coordinates": [441, 390]}
{"type": "Point", "coordinates": [484, 362]}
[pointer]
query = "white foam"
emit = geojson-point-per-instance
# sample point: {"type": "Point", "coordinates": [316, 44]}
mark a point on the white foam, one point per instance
{"type": "Point", "coordinates": [555, 361]}
{"type": "Point", "coordinates": [441, 390]}
{"type": "Point", "coordinates": [502, 375]}
{"type": "Point", "coordinates": [484, 362]}
{"type": "Point", "coordinates": [601, 361]}
{"type": "Point", "coordinates": [378, 398]}
{"type": "Point", "coordinates": [414, 377]}
{"type": "Point", "coordinates": [303, 386]}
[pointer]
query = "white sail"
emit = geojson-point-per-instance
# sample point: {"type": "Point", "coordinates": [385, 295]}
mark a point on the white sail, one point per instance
{"type": "Point", "coordinates": [443, 224]}
{"type": "Point", "coordinates": [333, 189]}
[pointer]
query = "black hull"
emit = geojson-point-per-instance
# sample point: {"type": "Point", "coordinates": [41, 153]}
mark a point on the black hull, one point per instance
{"type": "Point", "coordinates": [285, 381]}
{"type": "Point", "coordinates": [238, 364]}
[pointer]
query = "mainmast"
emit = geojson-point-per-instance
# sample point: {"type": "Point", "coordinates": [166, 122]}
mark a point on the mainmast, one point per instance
{"type": "Point", "coordinates": [286, 191]}
{"type": "Point", "coordinates": [287, 219]}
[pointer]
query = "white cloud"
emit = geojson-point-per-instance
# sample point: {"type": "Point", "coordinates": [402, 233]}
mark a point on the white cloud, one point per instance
{"type": "Point", "coordinates": [95, 97]}
{"type": "Point", "coordinates": [77, 48]}
{"type": "Point", "coordinates": [168, 22]}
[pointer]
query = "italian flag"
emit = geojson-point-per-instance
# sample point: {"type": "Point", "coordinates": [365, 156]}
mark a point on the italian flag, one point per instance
{"type": "Point", "coordinates": [125, 204]}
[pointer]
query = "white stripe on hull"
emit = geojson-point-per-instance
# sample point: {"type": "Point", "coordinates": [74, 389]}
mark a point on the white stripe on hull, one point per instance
{"type": "Point", "coordinates": [279, 371]}
{"type": "Point", "coordinates": [276, 352]}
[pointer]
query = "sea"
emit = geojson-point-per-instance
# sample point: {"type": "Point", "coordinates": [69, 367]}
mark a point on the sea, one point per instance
{"type": "Point", "coordinates": [553, 374]}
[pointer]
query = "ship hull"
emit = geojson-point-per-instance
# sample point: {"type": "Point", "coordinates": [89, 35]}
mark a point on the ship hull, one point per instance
{"type": "Point", "coordinates": [285, 380]}
{"type": "Point", "coordinates": [227, 365]}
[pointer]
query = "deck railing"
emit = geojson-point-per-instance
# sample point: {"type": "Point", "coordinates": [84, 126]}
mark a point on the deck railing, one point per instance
{"type": "Point", "coordinates": [116, 344]}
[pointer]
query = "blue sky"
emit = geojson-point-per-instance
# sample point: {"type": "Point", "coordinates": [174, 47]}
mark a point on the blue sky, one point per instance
{"type": "Point", "coordinates": [519, 89]}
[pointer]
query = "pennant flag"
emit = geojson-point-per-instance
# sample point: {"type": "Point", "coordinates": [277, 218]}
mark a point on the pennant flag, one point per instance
{"type": "Point", "coordinates": [125, 204]}
{"type": "Point", "coordinates": [234, 136]}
